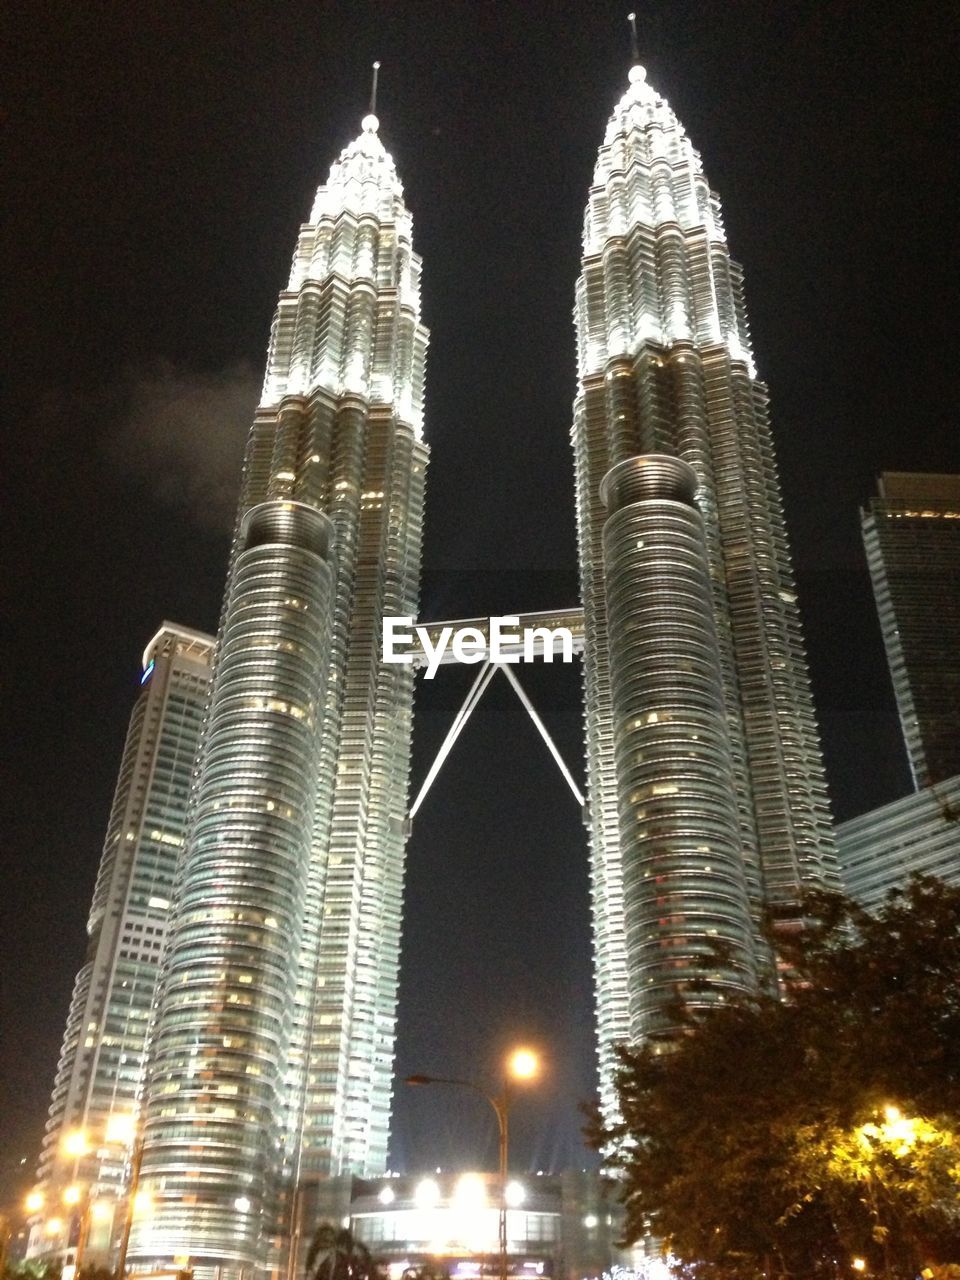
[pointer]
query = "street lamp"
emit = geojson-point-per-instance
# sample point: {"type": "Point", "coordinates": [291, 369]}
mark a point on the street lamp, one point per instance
{"type": "Point", "coordinates": [119, 1129]}
{"type": "Point", "coordinates": [135, 1164]}
{"type": "Point", "coordinates": [522, 1064]}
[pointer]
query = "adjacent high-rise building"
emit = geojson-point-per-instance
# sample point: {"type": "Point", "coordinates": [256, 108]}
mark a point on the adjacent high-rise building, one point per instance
{"type": "Point", "coordinates": [911, 532]}
{"type": "Point", "coordinates": [272, 1051]}
{"type": "Point", "coordinates": [707, 799]}
{"type": "Point", "coordinates": [917, 834]}
{"type": "Point", "coordinates": [89, 1137]}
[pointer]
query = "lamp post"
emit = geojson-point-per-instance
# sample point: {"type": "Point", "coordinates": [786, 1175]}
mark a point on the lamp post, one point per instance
{"type": "Point", "coordinates": [131, 1204]}
{"type": "Point", "coordinates": [120, 1129]}
{"type": "Point", "coordinates": [72, 1197]}
{"type": "Point", "coordinates": [522, 1064]}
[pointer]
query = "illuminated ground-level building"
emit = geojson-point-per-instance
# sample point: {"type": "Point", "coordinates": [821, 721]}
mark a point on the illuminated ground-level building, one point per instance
{"type": "Point", "coordinates": [920, 833]}
{"type": "Point", "coordinates": [271, 1058]}
{"type": "Point", "coordinates": [707, 798]}
{"type": "Point", "coordinates": [563, 1226]}
{"type": "Point", "coordinates": [90, 1133]}
{"type": "Point", "coordinates": [911, 532]}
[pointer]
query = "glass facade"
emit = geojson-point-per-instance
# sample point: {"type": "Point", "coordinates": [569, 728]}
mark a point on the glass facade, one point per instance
{"type": "Point", "coordinates": [272, 1056]}
{"type": "Point", "coordinates": [912, 537]}
{"type": "Point", "coordinates": [665, 368]}
{"type": "Point", "coordinates": [880, 850]}
{"type": "Point", "coordinates": [684, 885]}
{"type": "Point", "coordinates": [218, 1059]}
{"type": "Point", "coordinates": [100, 1072]}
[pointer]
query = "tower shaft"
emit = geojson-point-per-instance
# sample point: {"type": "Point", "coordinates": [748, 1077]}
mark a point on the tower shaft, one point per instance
{"type": "Point", "coordinates": [665, 367]}
{"type": "Point", "coordinates": [294, 867]}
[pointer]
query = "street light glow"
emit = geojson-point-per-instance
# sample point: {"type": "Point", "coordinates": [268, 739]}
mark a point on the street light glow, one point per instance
{"type": "Point", "coordinates": [72, 1195]}
{"type": "Point", "coordinates": [470, 1192]}
{"type": "Point", "coordinates": [859, 1264]}
{"type": "Point", "coordinates": [34, 1202]}
{"type": "Point", "coordinates": [427, 1194]}
{"type": "Point", "coordinates": [120, 1127]}
{"type": "Point", "coordinates": [515, 1194]}
{"type": "Point", "coordinates": [142, 1204]}
{"type": "Point", "coordinates": [523, 1064]}
{"type": "Point", "coordinates": [75, 1143]}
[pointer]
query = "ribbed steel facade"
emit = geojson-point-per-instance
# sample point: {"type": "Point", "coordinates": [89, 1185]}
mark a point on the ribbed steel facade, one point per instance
{"type": "Point", "coordinates": [684, 885]}
{"type": "Point", "coordinates": [920, 834]}
{"type": "Point", "coordinates": [665, 367]}
{"type": "Point", "coordinates": [218, 1059]}
{"type": "Point", "coordinates": [274, 1039]}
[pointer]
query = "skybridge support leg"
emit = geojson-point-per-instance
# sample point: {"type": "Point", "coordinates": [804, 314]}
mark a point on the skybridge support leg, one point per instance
{"type": "Point", "coordinates": [475, 693]}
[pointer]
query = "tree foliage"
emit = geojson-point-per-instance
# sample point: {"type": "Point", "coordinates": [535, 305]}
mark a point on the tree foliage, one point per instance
{"type": "Point", "coordinates": [789, 1136]}
{"type": "Point", "coordinates": [32, 1269]}
{"type": "Point", "coordinates": [334, 1254]}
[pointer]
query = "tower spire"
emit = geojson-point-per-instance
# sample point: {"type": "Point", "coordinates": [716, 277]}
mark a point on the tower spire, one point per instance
{"type": "Point", "coordinates": [634, 42]}
{"type": "Point", "coordinates": [370, 123]}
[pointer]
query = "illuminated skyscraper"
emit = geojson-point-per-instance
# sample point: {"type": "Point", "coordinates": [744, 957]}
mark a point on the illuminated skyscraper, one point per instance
{"type": "Point", "coordinates": [918, 834]}
{"type": "Point", "coordinates": [271, 1061]}
{"type": "Point", "coordinates": [89, 1133]}
{"type": "Point", "coordinates": [911, 532]}
{"type": "Point", "coordinates": [707, 799]}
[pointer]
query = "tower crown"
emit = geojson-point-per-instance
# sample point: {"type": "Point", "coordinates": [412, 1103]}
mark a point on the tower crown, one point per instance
{"type": "Point", "coordinates": [640, 106]}
{"type": "Point", "coordinates": [642, 131]}
{"type": "Point", "coordinates": [653, 235]}
{"type": "Point", "coordinates": [362, 180]}
{"type": "Point", "coordinates": [349, 318]}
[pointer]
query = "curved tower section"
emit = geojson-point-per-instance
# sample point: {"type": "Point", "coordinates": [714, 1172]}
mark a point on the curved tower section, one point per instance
{"type": "Point", "coordinates": [684, 881]}
{"type": "Point", "coordinates": [665, 367]}
{"type": "Point", "coordinates": [218, 1058]}
{"type": "Point", "coordinates": [272, 1052]}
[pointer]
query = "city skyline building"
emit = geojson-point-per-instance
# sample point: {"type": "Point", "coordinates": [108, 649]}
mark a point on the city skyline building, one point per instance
{"type": "Point", "coordinates": [707, 796]}
{"type": "Point", "coordinates": [272, 1056]}
{"type": "Point", "coordinates": [911, 533]}
{"type": "Point", "coordinates": [87, 1145]}
{"type": "Point", "coordinates": [917, 834]}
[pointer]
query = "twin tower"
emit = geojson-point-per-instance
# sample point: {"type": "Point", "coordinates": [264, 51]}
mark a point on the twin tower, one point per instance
{"type": "Point", "coordinates": [271, 1052]}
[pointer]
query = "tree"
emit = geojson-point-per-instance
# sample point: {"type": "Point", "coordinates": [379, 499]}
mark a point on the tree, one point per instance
{"type": "Point", "coordinates": [334, 1254]}
{"type": "Point", "coordinates": [760, 1144]}
{"type": "Point", "coordinates": [32, 1269]}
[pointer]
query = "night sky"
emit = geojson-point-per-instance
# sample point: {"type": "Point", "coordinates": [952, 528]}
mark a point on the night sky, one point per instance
{"type": "Point", "coordinates": [160, 159]}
